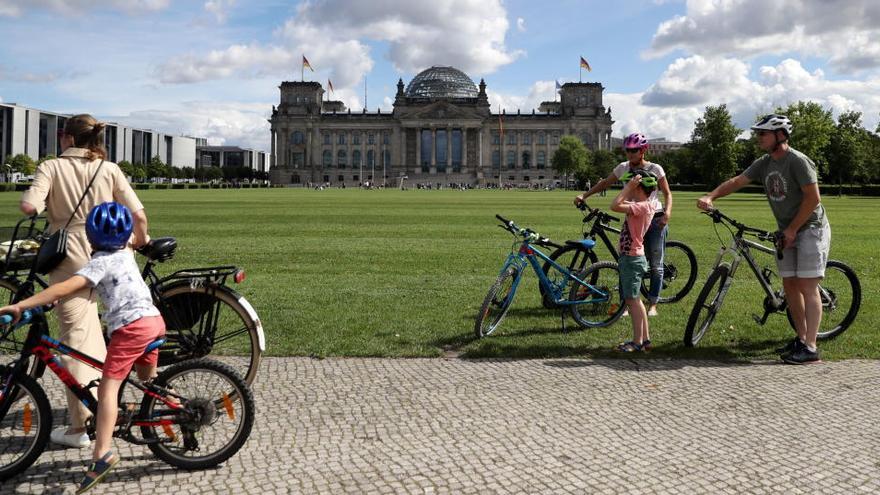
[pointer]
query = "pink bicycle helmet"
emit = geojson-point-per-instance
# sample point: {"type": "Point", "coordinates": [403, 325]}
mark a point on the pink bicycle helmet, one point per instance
{"type": "Point", "coordinates": [636, 140]}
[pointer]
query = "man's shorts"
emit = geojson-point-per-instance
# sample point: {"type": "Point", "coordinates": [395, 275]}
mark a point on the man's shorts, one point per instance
{"type": "Point", "coordinates": [631, 268]}
{"type": "Point", "coordinates": [128, 343]}
{"type": "Point", "coordinates": [806, 258]}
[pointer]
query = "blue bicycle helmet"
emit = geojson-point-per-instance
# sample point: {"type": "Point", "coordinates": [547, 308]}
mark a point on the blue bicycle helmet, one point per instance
{"type": "Point", "coordinates": [108, 226]}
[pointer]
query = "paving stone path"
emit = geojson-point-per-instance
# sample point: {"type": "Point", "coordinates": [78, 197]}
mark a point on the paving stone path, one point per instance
{"type": "Point", "coordinates": [431, 426]}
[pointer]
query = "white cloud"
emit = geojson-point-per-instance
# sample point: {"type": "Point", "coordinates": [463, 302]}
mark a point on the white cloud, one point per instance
{"type": "Point", "coordinates": [15, 8]}
{"type": "Point", "coordinates": [468, 34]}
{"type": "Point", "coordinates": [845, 33]}
{"type": "Point", "coordinates": [670, 106]}
{"type": "Point", "coordinates": [219, 9]}
{"type": "Point", "coordinates": [539, 91]}
{"type": "Point", "coordinates": [520, 24]}
{"type": "Point", "coordinates": [238, 124]}
{"type": "Point", "coordinates": [7, 74]}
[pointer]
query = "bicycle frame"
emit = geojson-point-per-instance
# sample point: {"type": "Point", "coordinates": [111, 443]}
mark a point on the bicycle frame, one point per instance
{"type": "Point", "coordinates": [528, 254]}
{"type": "Point", "coordinates": [41, 345]}
{"type": "Point", "coordinates": [739, 250]}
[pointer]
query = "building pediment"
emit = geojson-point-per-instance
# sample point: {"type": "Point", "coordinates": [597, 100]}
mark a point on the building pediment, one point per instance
{"type": "Point", "coordinates": [439, 110]}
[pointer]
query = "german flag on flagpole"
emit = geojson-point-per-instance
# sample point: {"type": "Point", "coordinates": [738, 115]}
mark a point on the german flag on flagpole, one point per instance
{"type": "Point", "coordinates": [307, 64]}
{"type": "Point", "coordinates": [302, 70]}
{"type": "Point", "coordinates": [330, 85]}
{"type": "Point", "coordinates": [586, 65]}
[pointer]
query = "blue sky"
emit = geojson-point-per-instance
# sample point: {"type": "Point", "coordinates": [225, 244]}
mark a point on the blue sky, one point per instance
{"type": "Point", "coordinates": [211, 68]}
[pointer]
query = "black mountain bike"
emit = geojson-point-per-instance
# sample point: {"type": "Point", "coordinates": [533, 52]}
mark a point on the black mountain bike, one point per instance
{"type": "Point", "coordinates": [679, 262]}
{"type": "Point", "coordinates": [203, 315]}
{"type": "Point", "coordinates": [840, 290]}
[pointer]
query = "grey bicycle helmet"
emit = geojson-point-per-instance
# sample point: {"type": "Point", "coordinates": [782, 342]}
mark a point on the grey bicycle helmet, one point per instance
{"type": "Point", "coordinates": [774, 122]}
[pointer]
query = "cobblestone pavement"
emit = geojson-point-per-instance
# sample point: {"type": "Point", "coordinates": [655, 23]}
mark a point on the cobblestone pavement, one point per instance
{"type": "Point", "coordinates": [431, 426]}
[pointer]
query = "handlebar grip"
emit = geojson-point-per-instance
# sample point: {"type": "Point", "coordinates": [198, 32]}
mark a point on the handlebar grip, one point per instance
{"type": "Point", "coordinates": [26, 316]}
{"type": "Point", "coordinates": [503, 220]}
{"type": "Point", "coordinates": [614, 218]}
{"type": "Point", "coordinates": [779, 242]}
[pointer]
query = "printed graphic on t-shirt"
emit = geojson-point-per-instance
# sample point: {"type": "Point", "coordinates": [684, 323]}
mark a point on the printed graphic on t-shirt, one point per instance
{"type": "Point", "coordinates": [626, 240]}
{"type": "Point", "coordinates": [777, 188]}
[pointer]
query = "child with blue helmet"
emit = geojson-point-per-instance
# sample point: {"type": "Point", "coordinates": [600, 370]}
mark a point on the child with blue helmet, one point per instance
{"type": "Point", "coordinates": [133, 322]}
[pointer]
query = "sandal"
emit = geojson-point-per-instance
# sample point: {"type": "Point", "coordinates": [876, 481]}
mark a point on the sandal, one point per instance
{"type": "Point", "coordinates": [97, 471]}
{"type": "Point", "coordinates": [647, 346]}
{"type": "Point", "coordinates": [629, 347]}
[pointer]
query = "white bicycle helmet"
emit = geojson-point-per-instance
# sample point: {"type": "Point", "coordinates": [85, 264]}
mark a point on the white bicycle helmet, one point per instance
{"type": "Point", "coordinates": [774, 122]}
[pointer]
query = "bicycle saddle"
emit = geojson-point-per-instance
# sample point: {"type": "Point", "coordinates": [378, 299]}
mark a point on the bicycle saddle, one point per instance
{"type": "Point", "coordinates": [583, 243]}
{"type": "Point", "coordinates": [161, 249]}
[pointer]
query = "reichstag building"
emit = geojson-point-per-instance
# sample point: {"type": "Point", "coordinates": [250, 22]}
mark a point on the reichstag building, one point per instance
{"type": "Point", "coordinates": [440, 131]}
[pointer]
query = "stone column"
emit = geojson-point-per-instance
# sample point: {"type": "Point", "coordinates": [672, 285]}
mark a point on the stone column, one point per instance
{"type": "Point", "coordinates": [464, 160]}
{"type": "Point", "coordinates": [418, 168]}
{"type": "Point", "coordinates": [533, 139]}
{"type": "Point", "coordinates": [433, 151]}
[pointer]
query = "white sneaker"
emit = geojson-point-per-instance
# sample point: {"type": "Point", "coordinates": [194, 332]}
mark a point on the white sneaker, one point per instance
{"type": "Point", "coordinates": [76, 440]}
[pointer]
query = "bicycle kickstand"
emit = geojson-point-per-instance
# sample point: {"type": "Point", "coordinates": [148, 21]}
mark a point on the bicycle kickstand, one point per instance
{"type": "Point", "coordinates": [562, 316]}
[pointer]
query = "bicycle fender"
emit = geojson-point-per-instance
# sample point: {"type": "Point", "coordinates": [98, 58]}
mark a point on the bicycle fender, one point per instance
{"type": "Point", "coordinates": [261, 338]}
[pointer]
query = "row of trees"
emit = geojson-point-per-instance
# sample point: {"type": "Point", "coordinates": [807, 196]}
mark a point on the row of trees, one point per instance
{"type": "Point", "coordinates": [156, 168]}
{"type": "Point", "coordinates": [844, 151]}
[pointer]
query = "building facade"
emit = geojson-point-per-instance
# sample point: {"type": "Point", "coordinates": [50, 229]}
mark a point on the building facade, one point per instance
{"type": "Point", "coordinates": [231, 156]}
{"type": "Point", "coordinates": [441, 130]}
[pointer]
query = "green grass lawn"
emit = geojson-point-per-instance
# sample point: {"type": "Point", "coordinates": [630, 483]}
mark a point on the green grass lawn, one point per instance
{"type": "Point", "coordinates": [402, 273]}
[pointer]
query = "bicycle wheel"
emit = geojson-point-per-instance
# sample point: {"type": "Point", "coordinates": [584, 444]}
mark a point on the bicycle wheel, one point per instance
{"type": "Point", "coordinates": [841, 294]}
{"type": "Point", "coordinates": [210, 320]}
{"type": "Point", "coordinates": [679, 273]}
{"type": "Point", "coordinates": [707, 305]}
{"type": "Point", "coordinates": [217, 426]}
{"type": "Point", "coordinates": [574, 258]}
{"type": "Point", "coordinates": [11, 344]}
{"type": "Point", "coordinates": [497, 303]}
{"type": "Point", "coordinates": [599, 304]}
{"type": "Point", "coordinates": [25, 423]}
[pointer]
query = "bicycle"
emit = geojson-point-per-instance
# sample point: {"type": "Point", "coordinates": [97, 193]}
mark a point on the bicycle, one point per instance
{"type": "Point", "coordinates": [679, 261]}
{"type": "Point", "coordinates": [593, 292]}
{"type": "Point", "coordinates": [840, 290]}
{"type": "Point", "coordinates": [193, 415]}
{"type": "Point", "coordinates": [203, 315]}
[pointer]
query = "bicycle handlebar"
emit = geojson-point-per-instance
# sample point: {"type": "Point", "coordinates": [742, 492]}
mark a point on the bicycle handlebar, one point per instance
{"type": "Point", "coordinates": [26, 317]}
{"type": "Point", "coordinates": [604, 217]}
{"type": "Point", "coordinates": [529, 234]}
{"type": "Point", "coordinates": [777, 238]}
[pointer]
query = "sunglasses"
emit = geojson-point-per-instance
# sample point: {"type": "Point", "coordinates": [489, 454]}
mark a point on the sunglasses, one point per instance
{"type": "Point", "coordinates": [761, 133]}
{"type": "Point", "coordinates": [633, 150]}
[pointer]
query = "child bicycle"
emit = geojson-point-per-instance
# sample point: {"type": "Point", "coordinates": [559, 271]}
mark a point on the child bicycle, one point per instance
{"type": "Point", "coordinates": [679, 261]}
{"type": "Point", "coordinates": [203, 315]}
{"type": "Point", "coordinates": [593, 293]}
{"type": "Point", "coordinates": [840, 289]}
{"type": "Point", "coordinates": [193, 415]}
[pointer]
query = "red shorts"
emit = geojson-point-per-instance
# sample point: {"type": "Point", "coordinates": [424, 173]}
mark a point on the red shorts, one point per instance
{"type": "Point", "coordinates": [128, 343]}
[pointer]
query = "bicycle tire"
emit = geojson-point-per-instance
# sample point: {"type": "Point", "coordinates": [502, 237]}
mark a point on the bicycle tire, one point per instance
{"type": "Point", "coordinates": [715, 288]}
{"type": "Point", "coordinates": [604, 276]}
{"type": "Point", "coordinates": [574, 258]}
{"type": "Point", "coordinates": [187, 310]}
{"type": "Point", "coordinates": [503, 285]}
{"type": "Point", "coordinates": [833, 294]}
{"type": "Point", "coordinates": [677, 282]}
{"type": "Point", "coordinates": [11, 344]}
{"type": "Point", "coordinates": [210, 404]}
{"type": "Point", "coordinates": [17, 453]}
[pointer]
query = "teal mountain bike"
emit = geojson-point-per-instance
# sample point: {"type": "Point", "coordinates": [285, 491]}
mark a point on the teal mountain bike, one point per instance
{"type": "Point", "coordinates": [590, 295]}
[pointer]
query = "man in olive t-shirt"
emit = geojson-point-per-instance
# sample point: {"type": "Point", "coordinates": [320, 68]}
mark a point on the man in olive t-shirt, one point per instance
{"type": "Point", "coordinates": [790, 181]}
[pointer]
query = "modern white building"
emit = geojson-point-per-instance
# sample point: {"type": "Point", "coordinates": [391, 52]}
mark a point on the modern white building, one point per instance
{"type": "Point", "coordinates": [35, 133]}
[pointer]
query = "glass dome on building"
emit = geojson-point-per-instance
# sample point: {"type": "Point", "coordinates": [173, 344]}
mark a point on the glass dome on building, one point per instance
{"type": "Point", "coordinates": [441, 82]}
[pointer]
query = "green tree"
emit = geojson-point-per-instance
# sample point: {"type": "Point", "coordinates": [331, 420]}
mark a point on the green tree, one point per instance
{"type": "Point", "coordinates": [126, 167]}
{"type": "Point", "coordinates": [138, 172]}
{"type": "Point", "coordinates": [157, 168]}
{"type": "Point", "coordinates": [848, 149]}
{"type": "Point", "coordinates": [570, 157]}
{"type": "Point", "coordinates": [604, 162]}
{"type": "Point", "coordinates": [812, 127]}
{"type": "Point", "coordinates": [679, 166]}
{"type": "Point", "coordinates": [714, 145]}
{"type": "Point", "coordinates": [21, 163]}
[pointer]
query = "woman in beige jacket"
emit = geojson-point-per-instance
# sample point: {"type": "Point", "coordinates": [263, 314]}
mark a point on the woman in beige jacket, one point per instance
{"type": "Point", "coordinates": [57, 187]}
